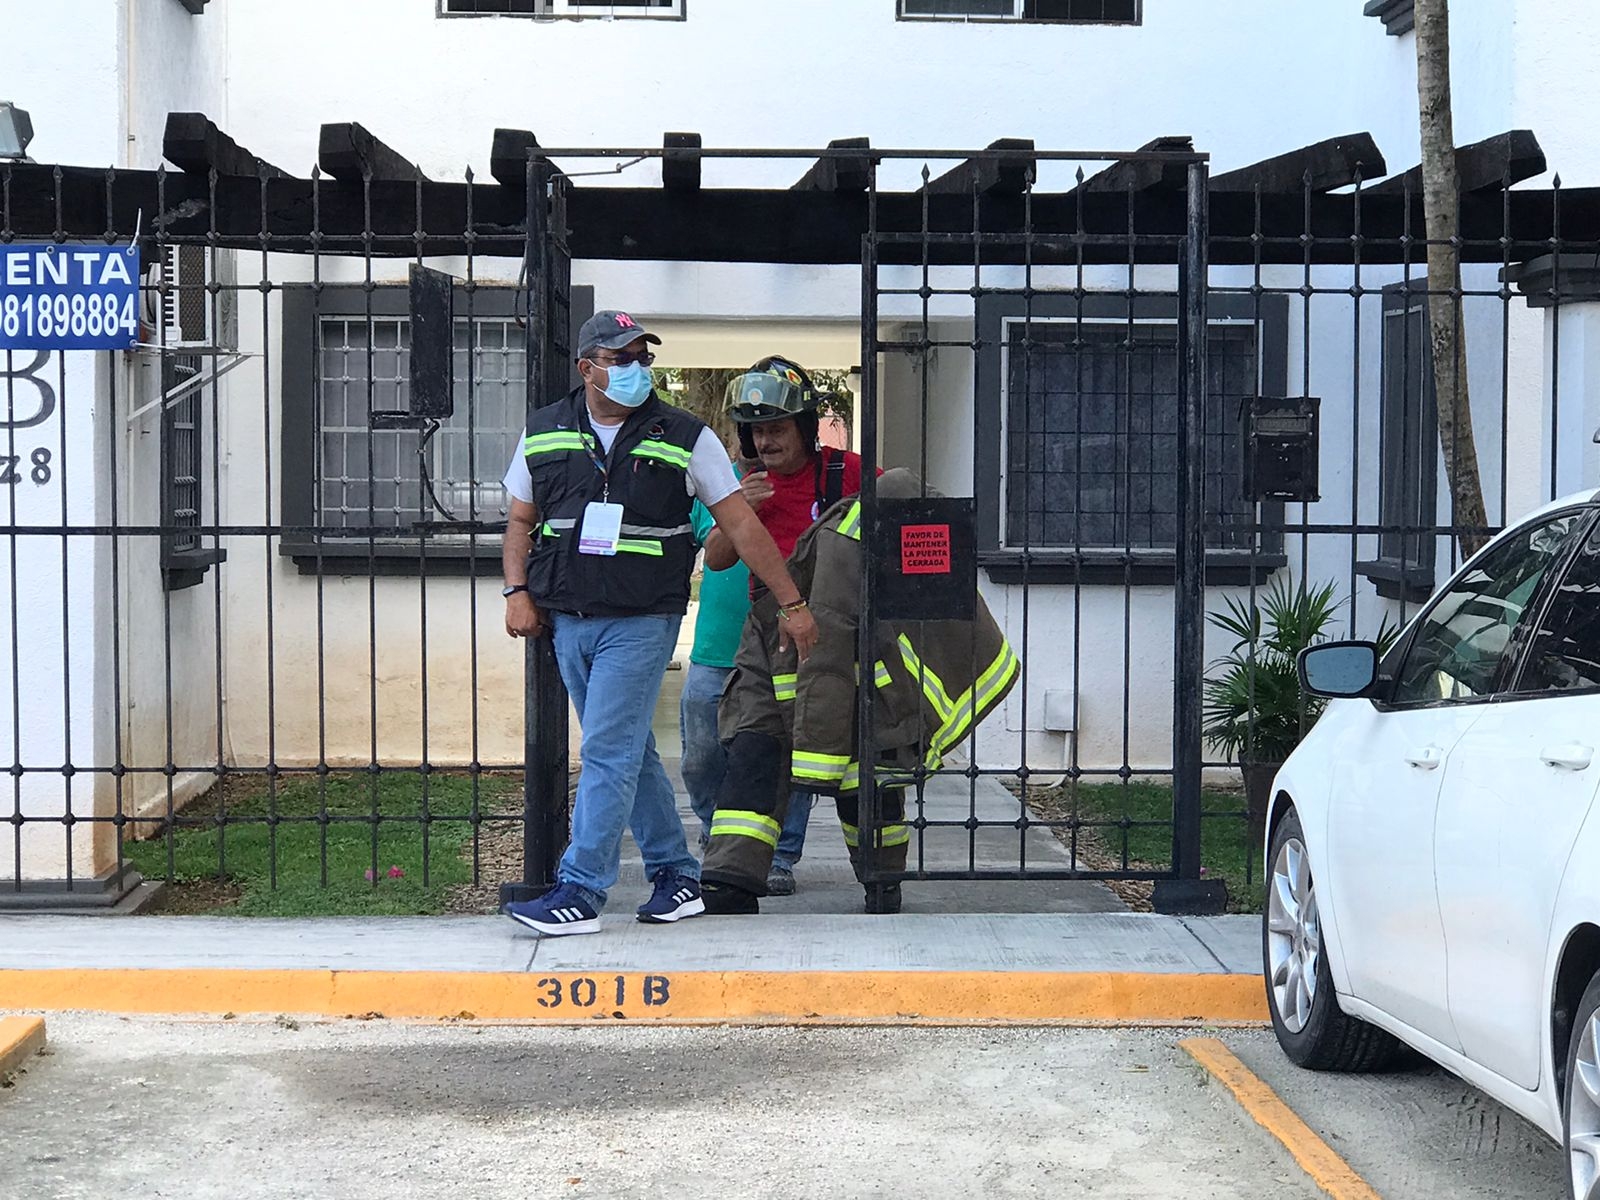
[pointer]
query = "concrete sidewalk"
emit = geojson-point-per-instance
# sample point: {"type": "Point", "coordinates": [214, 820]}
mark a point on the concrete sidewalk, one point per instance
{"type": "Point", "coordinates": [1062, 968]}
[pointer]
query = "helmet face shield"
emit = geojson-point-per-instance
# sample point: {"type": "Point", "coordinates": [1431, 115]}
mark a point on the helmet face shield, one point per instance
{"type": "Point", "coordinates": [771, 395]}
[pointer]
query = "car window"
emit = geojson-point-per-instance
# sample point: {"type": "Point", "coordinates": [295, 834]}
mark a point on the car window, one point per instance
{"type": "Point", "coordinates": [1461, 644]}
{"type": "Point", "coordinates": [1564, 651]}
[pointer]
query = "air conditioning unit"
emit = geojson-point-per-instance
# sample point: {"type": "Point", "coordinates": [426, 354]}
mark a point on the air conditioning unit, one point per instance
{"type": "Point", "coordinates": [192, 318]}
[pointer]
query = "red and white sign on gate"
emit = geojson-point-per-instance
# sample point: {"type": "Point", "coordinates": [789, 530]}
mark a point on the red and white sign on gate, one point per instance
{"type": "Point", "coordinates": [925, 549]}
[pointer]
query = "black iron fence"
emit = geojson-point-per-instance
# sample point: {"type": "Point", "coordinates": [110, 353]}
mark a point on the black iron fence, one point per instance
{"type": "Point", "coordinates": [254, 560]}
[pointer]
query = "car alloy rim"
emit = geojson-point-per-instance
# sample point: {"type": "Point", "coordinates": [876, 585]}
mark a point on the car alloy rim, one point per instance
{"type": "Point", "coordinates": [1294, 935]}
{"type": "Point", "coordinates": [1583, 1116]}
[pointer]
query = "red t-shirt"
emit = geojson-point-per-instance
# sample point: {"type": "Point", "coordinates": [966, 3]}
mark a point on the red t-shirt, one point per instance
{"type": "Point", "coordinates": [796, 500]}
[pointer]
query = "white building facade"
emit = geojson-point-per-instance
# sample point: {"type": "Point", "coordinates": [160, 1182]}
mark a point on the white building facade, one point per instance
{"type": "Point", "coordinates": [147, 677]}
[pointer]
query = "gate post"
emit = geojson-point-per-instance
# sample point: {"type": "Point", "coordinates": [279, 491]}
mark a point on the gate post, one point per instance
{"type": "Point", "coordinates": [544, 710]}
{"type": "Point", "coordinates": [1186, 892]}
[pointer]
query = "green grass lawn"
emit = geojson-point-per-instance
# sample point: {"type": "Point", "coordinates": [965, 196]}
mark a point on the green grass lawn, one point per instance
{"type": "Point", "coordinates": [321, 869]}
{"type": "Point", "coordinates": [1226, 851]}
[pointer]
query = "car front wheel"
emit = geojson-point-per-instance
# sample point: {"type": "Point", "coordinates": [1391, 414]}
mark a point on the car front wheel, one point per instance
{"type": "Point", "coordinates": [1582, 1108]}
{"type": "Point", "coordinates": [1311, 1027]}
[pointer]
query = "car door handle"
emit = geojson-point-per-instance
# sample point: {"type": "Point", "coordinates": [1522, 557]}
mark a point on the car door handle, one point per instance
{"type": "Point", "coordinates": [1427, 758]}
{"type": "Point", "coordinates": [1567, 758]}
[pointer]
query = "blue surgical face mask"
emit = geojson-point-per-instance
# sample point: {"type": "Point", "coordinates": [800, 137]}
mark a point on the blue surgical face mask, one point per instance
{"type": "Point", "coordinates": [629, 386]}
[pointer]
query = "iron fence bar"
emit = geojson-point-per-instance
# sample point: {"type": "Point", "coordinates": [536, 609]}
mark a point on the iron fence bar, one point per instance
{"type": "Point", "coordinates": [1190, 598]}
{"type": "Point", "coordinates": [867, 814]}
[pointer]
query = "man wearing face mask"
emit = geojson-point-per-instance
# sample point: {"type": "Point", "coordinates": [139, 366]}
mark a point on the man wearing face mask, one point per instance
{"type": "Point", "coordinates": [599, 547]}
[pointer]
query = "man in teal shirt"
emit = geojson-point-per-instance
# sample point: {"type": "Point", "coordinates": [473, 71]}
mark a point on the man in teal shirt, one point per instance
{"type": "Point", "coordinates": [724, 602]}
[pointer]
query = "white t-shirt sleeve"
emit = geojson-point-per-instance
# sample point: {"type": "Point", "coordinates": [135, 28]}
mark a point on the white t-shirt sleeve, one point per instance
{"type": "Point", "coordinates": [711, 476]}
{"type": "Point", "coordinates": [518, 483]}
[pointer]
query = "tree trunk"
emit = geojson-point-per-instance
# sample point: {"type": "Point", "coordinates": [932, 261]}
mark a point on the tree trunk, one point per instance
{"type": "Point", "coordinates": [1441, 198]}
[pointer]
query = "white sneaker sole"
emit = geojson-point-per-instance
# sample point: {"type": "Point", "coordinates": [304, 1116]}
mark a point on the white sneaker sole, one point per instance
{"type": "Point", "coordinates": [689, 908]}
{"type": "Point", "coordinates": [546, 929]}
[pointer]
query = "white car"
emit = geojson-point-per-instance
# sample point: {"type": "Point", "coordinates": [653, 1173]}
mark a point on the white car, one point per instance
{"type": "Point", "coordinates": [1433, 847]}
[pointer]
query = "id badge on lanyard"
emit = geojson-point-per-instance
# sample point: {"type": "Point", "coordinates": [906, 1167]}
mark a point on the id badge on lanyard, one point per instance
{"type": "Point", "coordinates": [601, 529]}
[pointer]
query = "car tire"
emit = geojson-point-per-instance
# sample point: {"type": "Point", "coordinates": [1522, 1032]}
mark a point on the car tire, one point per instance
{"type": "Point", "coordinates": [1581, 1099]}
{"type": "Point", "coordinates": [1311, 1027]}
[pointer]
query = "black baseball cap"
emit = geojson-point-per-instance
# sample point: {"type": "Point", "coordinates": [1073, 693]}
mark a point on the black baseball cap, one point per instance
{"type": "Point", "coordinates": [609, 329]}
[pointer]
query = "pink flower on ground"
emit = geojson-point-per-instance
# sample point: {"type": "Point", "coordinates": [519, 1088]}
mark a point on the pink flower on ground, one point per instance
{"type": "Point", "coordinates": [396, 873]}
{"type": "Point", "coordinates": [368, 875]}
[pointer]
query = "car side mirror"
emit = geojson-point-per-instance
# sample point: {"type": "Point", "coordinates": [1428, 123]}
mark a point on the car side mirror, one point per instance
{"type": "Point", "coordinates": [1339, 670]}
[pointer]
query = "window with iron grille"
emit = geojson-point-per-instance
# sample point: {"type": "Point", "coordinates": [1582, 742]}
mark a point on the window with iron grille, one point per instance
{"type": "Point", "coordinates": [350, 477]}
{"type": "Point", "coordinates": [1408, 450]}
{"type": "Point", "coordinates": [1079, 12]}
{"type": "Point", "coordinates": [569, 9]}
{"type": "Point", "coordinates": [184, 558]}
{"type": "Point", "coordinates": [1085, 432]}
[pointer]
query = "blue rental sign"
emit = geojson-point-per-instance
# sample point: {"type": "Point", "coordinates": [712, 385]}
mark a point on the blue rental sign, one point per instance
{"type": "Point", "coordinates": [69, 297]}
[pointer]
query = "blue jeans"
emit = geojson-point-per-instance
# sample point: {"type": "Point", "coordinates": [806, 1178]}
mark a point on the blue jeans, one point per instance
{"type": "Point", "coordinates": [705, 762]}
{"type": "Point", "coordinates": [612, 667]}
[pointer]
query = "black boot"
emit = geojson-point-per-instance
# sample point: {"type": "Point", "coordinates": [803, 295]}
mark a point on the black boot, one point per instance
{"type": "Point", "coordinates": [881, 898]}
{"type": "Point", "coordinates": [726, 900]}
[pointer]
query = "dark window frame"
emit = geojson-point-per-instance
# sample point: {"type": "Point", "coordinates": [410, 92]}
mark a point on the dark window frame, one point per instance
{"type": "Point", "coordinates": [1519, 686]}
{"type": "Point", "coordinates": [992, 18]}
{"type": "Point", "coordinates": [1409, 454]}
{"type": "Point", "coordinates": [184, 559]}
{"type": "Point", "coordinates": [303, 306]}
{"type": "Point", "coordinates": [1110, 565]}
{"type": "Point", "coordinates": [678, 10]}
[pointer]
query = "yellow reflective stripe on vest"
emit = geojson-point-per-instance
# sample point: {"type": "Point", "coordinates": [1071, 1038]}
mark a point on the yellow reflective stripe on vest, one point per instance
{"type": "Point", "coordinates": [675, 456]}
{"type": "Point", "coordinates": [850, 525]}
{"type": "Point", "coordinates": [852, 835]}
{"type": "Point", "coordinates": [785, 686]}
{"type": "Point", "coordinates": [932, 685]}
{"type": "Point", "coordinates": [648, 546]}
{"type": "Point", "coordinates": [823, 768]}
{"type": "Point", "coordinates": [558, 441]}
{"type": "Point", "coordinates": [981, 695]}
{"type": "Point", "coordinates": [735, 823]}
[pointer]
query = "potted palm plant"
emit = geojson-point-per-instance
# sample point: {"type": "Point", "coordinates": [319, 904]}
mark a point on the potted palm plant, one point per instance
{"type": "Point", "coordinates": [1255, 713]}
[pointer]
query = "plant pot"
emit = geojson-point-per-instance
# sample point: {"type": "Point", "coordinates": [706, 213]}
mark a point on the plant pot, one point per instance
{"type": "Point", "coordinates": [1258, 776]}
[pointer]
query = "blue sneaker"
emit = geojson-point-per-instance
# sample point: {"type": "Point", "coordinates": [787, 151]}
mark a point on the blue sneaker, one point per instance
{"type": "Point", "coordinates": [559, 912]}
{"type": "Point", "coordinates": [676, 896]}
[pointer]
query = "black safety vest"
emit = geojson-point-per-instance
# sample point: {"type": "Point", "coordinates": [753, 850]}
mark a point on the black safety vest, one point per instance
{"type": "Point", "coordinates": [645, 473]}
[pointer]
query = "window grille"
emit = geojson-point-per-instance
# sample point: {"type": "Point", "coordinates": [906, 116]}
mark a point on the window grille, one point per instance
{"type": "Point", "coordinates": [371, 476]}
{"type": "Point", "coordinates": [1092, 435]}
{"type": "Point", "coordinates": [1080, 12]}
{"type": "Point", "coordinates": [568, 9]}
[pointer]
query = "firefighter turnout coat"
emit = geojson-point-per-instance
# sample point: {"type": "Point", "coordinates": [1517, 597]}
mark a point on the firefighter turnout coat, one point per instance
{"type": "Point", "coordinates": [788, 724]}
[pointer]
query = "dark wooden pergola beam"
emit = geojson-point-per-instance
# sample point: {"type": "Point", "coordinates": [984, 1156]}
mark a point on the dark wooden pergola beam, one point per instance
{"type": "Point", "coordinates": [1334, 163]}
{"type": "Point", "coordinates": [193, 143]}
{"type": "Point", "coordinates": [351, 154]}
{"type": "Point", "coordinates": [1009, 176]}
{"type": "Point", "coordinates": [768, 225]}
{"type": "Point", "coordinates": [680, 162]}
{"type": "Point", "coordinates": [508, 157]}
{"type": "Point", "coordinates": [1143, 174]}
{"type": "Point", "coordinates": [1485, 166]}
{"type": "Point", "coordinates": [848, 173]}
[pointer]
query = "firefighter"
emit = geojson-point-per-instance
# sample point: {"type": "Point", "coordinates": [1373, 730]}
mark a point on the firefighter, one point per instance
{"type": "Point", "coordinates": [792, 724]}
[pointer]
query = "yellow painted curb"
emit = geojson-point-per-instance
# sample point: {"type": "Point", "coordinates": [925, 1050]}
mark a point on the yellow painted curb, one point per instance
{"type": "Point", "coordinates": [746, 997]}
{"type": "Point", "coordinates": [20, 1039]}
{"type": "Point", "coordinates": [1319, 1160]}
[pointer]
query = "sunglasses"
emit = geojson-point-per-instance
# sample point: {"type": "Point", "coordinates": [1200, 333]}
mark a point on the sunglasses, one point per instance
{"type": "Point", "coordinates": [622, 359]}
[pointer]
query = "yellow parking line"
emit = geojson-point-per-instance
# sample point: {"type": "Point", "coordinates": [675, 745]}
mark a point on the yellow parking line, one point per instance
{"type": "Point", "coordinates": [20, 1039]}
{"type": "Point", "coordinates": [1318, 1159]}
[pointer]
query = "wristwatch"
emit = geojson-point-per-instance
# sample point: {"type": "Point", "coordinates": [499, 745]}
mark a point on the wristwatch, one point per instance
{"type": "Point", "coordinates": [513, 589]}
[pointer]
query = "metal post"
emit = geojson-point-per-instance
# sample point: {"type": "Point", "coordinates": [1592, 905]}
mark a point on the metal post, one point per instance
{"type": "Point", "coordinates": [1187, 892]}
{"type": "Point", "coordinates": [544, 702]}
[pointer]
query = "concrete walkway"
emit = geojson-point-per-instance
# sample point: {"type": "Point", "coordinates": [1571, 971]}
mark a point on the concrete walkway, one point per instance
{"type": "Point", "coordinates": [1055, 968]}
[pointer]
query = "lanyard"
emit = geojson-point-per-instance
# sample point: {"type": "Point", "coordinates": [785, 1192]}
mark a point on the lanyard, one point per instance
{"type": "Point", "coordinates": [603, 465]}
